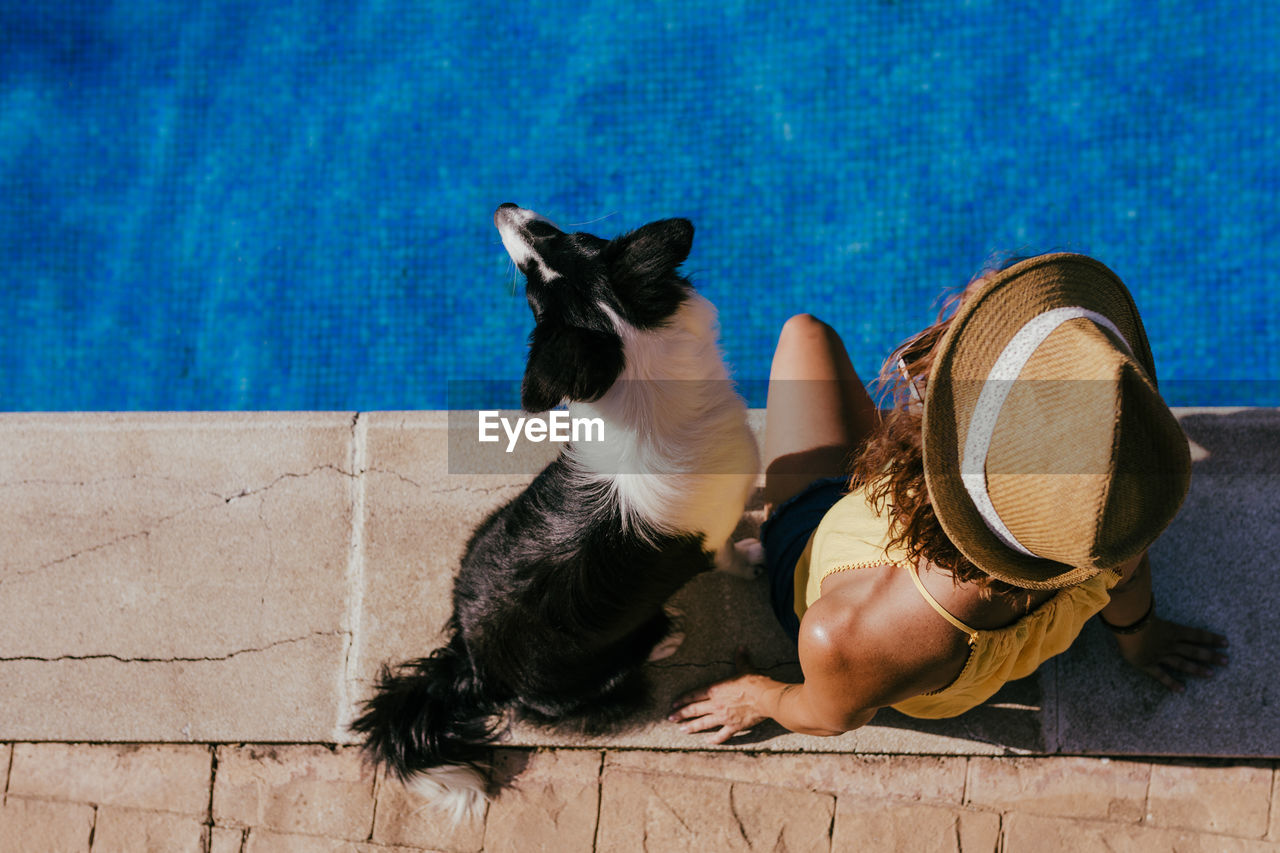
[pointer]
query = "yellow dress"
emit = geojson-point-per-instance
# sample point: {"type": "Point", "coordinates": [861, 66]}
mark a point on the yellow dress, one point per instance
{"type": "Point", "coordinates": [853, 536]}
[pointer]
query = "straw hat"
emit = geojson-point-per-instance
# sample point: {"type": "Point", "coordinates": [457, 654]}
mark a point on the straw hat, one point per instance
{"type": "Point", "coordinates": [1078, 465]}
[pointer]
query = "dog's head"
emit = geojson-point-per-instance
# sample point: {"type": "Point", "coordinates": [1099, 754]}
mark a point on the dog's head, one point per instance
{"type": "Point", "coordinates": [580, 288]}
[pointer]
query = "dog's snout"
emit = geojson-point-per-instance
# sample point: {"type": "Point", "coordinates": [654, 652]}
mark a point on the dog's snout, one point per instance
{"type": "Point", "coordinates": [512, 219]}
{"type": "Point", "coordinates": [505, 211]}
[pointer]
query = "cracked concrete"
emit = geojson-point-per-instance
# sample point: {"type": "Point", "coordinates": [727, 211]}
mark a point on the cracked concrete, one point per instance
{"type": "Point", "coordinates": [228, 656]}
{"type": "Point", "coordinates": [288, 475]}
{"type": "Point", "coordinates": [242, 576]}
{"type": "Point", "coordinates": [354, 580]}
{"type": "Point", "coordinates": [276, 694]}
{"type": "Point", "coordinates": [173, 573]}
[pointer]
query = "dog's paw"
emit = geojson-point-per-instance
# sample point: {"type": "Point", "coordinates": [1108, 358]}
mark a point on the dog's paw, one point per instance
{"type": "Point", "coordinates": [744, 558]}
{"type": "Point", "coordinates": [752, 551]}
{"type": "Point", "coordinates": [667, 647]}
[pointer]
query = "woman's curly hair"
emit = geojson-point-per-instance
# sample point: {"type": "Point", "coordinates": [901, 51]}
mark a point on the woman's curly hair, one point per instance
{"type": "Point", "coordinates": [890, 465]}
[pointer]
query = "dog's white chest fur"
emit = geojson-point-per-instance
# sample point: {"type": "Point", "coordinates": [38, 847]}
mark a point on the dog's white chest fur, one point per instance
{"type": "Point", "coordinates": [677, 453]}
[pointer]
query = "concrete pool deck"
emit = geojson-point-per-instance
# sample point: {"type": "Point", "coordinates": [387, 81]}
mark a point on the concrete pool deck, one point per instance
{"type": "Point", "coordinates": [214, 580]}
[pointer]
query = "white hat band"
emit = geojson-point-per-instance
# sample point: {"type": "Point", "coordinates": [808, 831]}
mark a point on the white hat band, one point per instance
{"type": "Point", "coordinates": [995, 390]}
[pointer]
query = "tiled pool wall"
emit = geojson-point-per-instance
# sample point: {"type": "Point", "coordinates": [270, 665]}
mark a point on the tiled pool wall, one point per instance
{"type": "Point", "coordinates": [288, 206]}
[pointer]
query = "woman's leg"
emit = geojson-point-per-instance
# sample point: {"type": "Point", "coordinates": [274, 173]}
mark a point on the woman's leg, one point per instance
{"type": "Point", "coordinates": [817, 413]}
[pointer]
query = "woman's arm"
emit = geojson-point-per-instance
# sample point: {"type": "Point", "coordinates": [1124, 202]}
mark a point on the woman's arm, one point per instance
{"type": "Point", "coordinates": [1131, 597]}
{"type": "Point", "coordinates": [851, 666]}
{"type": "Point", "coordinates": [1152, 644]}
{"type": "Point", "coordinates": [737, 704]}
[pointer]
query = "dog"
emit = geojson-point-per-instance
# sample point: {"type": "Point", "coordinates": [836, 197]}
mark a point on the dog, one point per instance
{"type": "Point", "coordinates": [559, 601]}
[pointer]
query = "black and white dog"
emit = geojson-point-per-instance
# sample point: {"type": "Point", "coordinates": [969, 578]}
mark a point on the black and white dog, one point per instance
{"type": "Point", "coordinates": [559, 599]}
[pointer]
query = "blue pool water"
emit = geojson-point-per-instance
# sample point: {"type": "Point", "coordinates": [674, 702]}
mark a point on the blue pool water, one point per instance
{"type": "Point", "coordinates": [231, 204]}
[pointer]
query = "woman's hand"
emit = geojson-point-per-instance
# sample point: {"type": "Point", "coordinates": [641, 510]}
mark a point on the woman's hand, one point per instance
{"type": "Point", "coordinates": [730, 706]}
{"type": "Point", "coordinates": [1163, 647]}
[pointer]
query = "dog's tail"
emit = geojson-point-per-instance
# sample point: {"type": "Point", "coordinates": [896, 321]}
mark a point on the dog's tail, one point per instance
{"type": "Point", "coordinates": [428, 722]}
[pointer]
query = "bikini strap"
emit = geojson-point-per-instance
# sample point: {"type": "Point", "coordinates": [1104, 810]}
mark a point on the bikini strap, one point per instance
{"type": "Point", "coordinates": [942, 611]}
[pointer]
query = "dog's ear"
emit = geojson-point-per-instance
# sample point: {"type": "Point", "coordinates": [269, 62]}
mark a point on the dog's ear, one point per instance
{"type": "Point", "coordinates": [655, 249]}
{"type": "Point", "coordinates": [569, 363]}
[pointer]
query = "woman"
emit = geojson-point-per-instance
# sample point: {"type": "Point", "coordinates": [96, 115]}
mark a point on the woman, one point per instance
{"type": "Point", "coordinates": [985, 519]}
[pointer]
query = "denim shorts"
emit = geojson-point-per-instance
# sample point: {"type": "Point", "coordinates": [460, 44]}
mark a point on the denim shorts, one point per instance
{"type": "Point", "coordinates": [784, 536]}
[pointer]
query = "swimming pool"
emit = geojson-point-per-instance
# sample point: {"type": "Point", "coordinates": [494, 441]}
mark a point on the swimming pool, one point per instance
{"type": "Point", "coordinates": [239, 205]}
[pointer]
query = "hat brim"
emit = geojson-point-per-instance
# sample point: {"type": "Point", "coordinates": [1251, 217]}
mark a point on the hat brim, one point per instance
{"type": "Point", "coordinates": [978, 332]}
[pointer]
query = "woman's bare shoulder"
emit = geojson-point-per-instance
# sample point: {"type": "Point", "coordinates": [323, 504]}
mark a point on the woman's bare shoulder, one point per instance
{"type": "Point", "coordinates": [877, 638]}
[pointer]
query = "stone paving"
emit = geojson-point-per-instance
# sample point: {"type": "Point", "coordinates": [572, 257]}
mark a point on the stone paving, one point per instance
{"type": "Point", "coordinates": [309, 798]}
{"type": "Point", "coordinates": [239, 577]}
{"type": "Point", "coordinates": [192, 606]}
